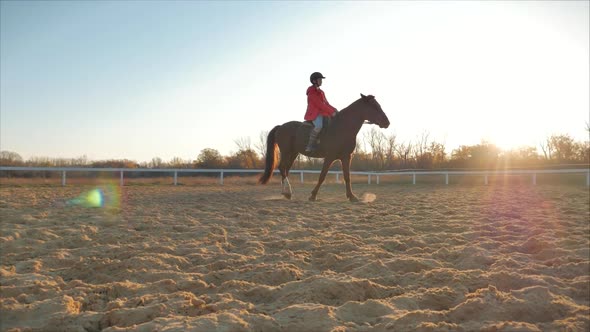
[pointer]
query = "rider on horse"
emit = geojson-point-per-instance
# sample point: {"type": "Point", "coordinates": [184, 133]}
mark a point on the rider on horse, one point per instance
{"type": "Point", "coordinates": [317, 108]}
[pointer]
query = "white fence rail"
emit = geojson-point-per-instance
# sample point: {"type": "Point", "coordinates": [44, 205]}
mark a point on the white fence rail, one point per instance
{"type": "Point", "coordinates": [370, 175]}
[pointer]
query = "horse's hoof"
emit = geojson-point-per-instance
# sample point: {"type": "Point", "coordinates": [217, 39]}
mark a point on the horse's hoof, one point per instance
{"type": "Point", "coordinates": [353, 199]}
{"type": "Point", "coordinates": [312, 198]}
{"type": "Point", "coordinates": [287, 196]}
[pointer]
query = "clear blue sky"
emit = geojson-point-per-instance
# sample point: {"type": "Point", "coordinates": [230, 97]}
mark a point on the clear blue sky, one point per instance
{"type": "Point", "coordinates": [135, 79]}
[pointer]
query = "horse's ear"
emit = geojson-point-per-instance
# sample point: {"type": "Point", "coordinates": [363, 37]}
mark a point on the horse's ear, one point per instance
{"type": "Point", "coordinates": [363, 96]}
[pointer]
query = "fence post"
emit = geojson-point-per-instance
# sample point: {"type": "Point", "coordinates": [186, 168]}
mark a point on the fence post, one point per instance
{"type": "Point", "coordinates": [121, 182]}
{"type": "Point", "coordinates": [377, 178]}
{"type": "Point", "coordinates": [485, 180]}
{"type": "Point", "coordinates": [175, 177]}
{"type": "Point", "coordinates": [63, 178]}
{"type": "Point", "coordinates": [301, 176]}
{"type": "Point", "coordinates": [446, 178]}
{"type": "Point", "coordinates": [221, 178]}
{"type": "Point", "coordinates": [413, 178]}
{"type": "Point", "coordinates": [369, 179]}
{"type": "Point", "coordinates": [588, 179]}
{"type": "Point", "coordinates": [337, 177]}
{"type": "Point", "coordinates": [534, 178]}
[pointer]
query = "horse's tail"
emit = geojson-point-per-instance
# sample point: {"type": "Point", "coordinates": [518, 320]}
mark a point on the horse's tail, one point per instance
{"type": "Point", "coordinates": [271, 156]}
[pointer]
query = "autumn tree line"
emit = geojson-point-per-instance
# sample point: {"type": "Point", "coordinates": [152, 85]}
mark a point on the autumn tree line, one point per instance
{"type": "Point", "coordinates": [375, 151]}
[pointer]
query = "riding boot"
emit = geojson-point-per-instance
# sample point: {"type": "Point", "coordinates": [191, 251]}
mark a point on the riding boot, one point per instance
{"type": "Point", "coordinates": [313, 137]}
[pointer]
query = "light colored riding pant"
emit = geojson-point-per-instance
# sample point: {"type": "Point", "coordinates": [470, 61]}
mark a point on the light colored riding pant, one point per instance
{"type": "Point", "coordinates": [318, 122]}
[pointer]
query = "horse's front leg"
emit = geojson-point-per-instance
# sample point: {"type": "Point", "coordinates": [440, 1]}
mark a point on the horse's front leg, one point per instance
{"type": "Point", "coordinates": [346, 170]}
{"type": "Point", "coordinates": [325, 168]}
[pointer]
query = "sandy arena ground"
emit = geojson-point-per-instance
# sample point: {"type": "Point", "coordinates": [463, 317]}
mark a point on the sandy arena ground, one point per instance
{"type": "Point", "coordinates": [240, 258]}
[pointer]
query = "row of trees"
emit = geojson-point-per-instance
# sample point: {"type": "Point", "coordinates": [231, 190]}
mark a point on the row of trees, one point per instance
{"type": "Point", "coordinates": [375, 151]}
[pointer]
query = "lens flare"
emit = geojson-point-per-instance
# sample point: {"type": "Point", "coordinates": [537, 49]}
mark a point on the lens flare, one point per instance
{"type": "Point", "coordinates": [104, 196]}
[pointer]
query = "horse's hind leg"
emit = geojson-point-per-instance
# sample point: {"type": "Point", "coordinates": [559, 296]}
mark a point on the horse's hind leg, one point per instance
{"type": "Point", "coordinates": [284, 167]}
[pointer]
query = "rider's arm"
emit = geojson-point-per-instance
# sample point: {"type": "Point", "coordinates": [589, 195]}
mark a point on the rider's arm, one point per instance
{"type": "Point", "coordinates": [315, 98]}
{"type": "Point", "coordinates": [334, 110]}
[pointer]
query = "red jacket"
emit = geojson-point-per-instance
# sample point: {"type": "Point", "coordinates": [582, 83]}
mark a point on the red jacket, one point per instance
{"type": "Point", "coordinates": [317, 104]}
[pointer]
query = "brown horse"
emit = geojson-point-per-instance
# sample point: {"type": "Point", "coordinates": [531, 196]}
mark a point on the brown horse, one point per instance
{"type": "Point", "coordinates": [337, 141]}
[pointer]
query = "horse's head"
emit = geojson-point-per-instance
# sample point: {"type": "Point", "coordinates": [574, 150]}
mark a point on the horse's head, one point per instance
{"type": "Point", "coordinates": [373, 112]}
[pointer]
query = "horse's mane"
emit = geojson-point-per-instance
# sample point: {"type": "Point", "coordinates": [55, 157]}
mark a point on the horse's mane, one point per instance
{"type": "Point", "coordinates": [350, 108]}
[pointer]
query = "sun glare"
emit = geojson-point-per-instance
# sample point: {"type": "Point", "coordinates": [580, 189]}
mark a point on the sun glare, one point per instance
{"type": "Point", "coordinates": [511, 138]}
{"type": "Point", "coordinates": [508, 143]}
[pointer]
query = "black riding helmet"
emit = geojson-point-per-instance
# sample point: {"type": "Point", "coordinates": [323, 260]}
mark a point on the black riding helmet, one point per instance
{"type": "Point", "coordinates": [315, 76]}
